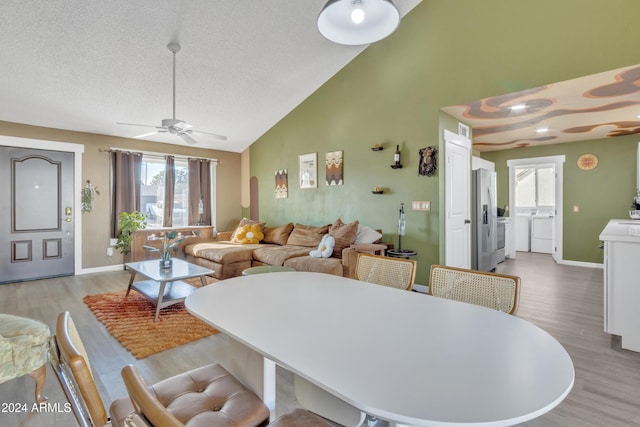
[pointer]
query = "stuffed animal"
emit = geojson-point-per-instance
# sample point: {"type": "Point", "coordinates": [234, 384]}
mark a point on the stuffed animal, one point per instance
{"type": "Point", "coordinates": [250, 234]}
{"type": "Point", "coordinates": [325, 248]}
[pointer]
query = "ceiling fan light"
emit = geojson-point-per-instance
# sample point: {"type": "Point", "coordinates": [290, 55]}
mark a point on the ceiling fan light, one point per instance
{"type": "Point", "coordinates": [337, 21]}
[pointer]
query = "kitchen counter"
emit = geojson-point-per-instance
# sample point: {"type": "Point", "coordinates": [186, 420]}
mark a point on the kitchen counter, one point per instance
{"type": "Point", "coordinates": [622, 230]}
{"type": "Point", "coordinates": [621, 288]}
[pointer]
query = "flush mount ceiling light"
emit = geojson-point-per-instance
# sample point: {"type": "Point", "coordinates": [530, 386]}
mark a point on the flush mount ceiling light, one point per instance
{"type": "Point", "coordinates": [358, 22]}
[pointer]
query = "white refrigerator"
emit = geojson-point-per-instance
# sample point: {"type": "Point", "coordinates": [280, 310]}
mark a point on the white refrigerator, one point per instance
{"type": "Point", "coordinates": [484, 223]}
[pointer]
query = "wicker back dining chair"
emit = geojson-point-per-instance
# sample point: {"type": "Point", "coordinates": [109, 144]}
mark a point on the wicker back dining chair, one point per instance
{"type": "Point", "coordinates": [393, 272]}
{"type": "Point", "coordinates": [497, 291]}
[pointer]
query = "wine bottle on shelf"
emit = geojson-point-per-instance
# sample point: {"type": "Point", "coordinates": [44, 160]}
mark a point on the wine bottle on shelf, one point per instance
{"type": "Point", "coordinates": [396, 158]}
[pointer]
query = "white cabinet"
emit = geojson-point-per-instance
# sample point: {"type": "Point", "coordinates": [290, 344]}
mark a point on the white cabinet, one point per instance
{"type": "Point", "coordinates": [509, 239]}
{"type": "Point", "coordinates": [621, 285]}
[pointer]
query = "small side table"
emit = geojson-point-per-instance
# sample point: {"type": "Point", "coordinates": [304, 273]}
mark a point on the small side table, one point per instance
{"type": "Point", "coordinates": [401, 253]}
{"type": "Point", "coordinates": [369, 248]}
{"type": "Point", "coordinates": [265, 269]}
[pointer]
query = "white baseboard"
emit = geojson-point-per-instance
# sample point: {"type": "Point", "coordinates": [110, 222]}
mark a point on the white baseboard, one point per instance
{"type": "Point", "coordinates": [581, 264]}
{"type": "Point", "coordinates": [117, 267]}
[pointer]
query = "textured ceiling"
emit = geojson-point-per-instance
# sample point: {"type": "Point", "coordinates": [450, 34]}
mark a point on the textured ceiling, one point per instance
{"type": "Point", "coordinates": [599, 106]}
{"type": "Point", "coordinates": [86, 65]}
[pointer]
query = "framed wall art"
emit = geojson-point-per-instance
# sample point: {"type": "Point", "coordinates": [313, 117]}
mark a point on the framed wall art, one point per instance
{"type": "Point", "coordinates": [282, 184]}
{"type": "Point", "coordinates": [308, 170]}
{"type": "Point", "coordinates": [334, 168]}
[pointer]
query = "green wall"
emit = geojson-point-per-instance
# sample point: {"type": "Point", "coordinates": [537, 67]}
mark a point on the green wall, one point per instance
{"type": "Point", "coordinates": [444, 52]}
{"type": "Point", "coordinates": [601, 194]}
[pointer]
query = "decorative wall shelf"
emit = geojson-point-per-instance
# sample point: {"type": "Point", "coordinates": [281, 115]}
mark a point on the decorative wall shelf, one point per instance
{"type": "Point", "coordinates": [378, 192]}
{"type": "Point", "coordinates": [396, 166]}
{"type": "Point", "coordinates": [378, 148]}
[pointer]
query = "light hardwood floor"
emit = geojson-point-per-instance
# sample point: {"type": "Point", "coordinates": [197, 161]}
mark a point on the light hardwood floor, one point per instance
{"type": "Point", "coordinates": [565, 301]}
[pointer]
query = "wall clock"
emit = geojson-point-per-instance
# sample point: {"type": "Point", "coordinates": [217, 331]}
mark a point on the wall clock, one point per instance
{"type": "Point", "coordinates": [587, 162]}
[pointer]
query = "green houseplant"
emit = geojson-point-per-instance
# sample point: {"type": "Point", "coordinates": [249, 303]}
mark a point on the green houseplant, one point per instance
{"type": "Point", "coordinates": [129, 223]}
{"type": "Point", "coordinates": [87, 196]}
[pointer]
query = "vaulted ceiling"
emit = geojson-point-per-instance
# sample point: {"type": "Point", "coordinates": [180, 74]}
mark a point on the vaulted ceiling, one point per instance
{"type": "Point", "coordinates": [243, 66]}
{"type": "Point", "coordinates": [599, 106]}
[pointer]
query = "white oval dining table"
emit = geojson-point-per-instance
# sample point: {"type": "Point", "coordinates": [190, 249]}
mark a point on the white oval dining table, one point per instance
{"type": "Point", "coordinates": [404, 357]}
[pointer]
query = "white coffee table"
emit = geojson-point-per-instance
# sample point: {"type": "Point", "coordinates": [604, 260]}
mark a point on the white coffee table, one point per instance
{"type": "Point", "coordinates": [165, 286]}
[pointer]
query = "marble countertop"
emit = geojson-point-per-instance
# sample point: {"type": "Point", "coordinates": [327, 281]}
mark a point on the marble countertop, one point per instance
{"type": "Point", "coordinates": [622, 230]}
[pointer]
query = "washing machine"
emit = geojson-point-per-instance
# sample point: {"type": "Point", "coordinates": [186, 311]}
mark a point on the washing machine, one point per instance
{"type": "Point", "coordinates": [542, 233]}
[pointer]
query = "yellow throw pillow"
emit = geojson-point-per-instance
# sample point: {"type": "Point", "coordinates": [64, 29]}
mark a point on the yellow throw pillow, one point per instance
{"type": "Point", "coordinates": [250, 234]}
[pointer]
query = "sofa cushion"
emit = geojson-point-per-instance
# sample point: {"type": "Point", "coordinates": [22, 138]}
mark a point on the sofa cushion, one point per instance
{"type": "Point", "coordinates": [277, 235]}
{"type": "Point", "coordinates": [222, 252]}
{"type": "Point", "coordinates": [250, 234]}
{"type": "Point", "coordinates": [317, 265]}
{"type": "Point", "coordinates": [344, 235]}
{"type": "Point", "coordinates": [243, 222]}
{"type": "Point", "coordinates": [367, 234]}
{"type": "Point", "coordinates": [307, 235]}
{"type": "Point", "coordinates": [277, 255]}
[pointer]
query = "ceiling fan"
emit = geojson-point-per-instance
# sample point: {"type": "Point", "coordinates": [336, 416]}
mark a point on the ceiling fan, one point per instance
{"type": "Point", "coordinates": [175, 126]}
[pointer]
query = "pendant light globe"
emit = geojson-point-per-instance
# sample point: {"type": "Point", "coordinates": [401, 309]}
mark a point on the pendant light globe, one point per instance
{"type": "Point", "coordinates": [358, 22]}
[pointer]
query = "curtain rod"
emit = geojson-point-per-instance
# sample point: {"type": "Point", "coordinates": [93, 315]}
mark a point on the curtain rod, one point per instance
{"type": "Point", "coordinates": [154, 153]}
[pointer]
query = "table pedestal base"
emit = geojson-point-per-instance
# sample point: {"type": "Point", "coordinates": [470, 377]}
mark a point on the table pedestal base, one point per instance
{"type": "Point", "coordinates": [254, 371]}
{"type": "Point", "coordinates": [325, 404]}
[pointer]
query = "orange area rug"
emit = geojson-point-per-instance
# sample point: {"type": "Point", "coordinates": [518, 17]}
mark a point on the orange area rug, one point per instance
{"type": "Point", "coordinates": [130, 321]}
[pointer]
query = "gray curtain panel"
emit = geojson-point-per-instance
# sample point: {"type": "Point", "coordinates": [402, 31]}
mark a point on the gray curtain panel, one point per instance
{"type": "Point", "coordinates": [199, 189]}
{"type": "Point", "coordinates": [126, 170]}
{"type": "Point", "coordinates": [169, 187]}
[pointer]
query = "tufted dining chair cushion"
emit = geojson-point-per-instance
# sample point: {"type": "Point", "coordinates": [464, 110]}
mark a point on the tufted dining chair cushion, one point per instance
{"type": "Point", "coordinates": [205, 396]}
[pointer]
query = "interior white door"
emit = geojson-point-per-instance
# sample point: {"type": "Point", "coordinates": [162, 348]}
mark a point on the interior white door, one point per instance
{"type": "Point", "coordinates": [36, 208]}
{"type": "Point", "coordinates": [457, 201]}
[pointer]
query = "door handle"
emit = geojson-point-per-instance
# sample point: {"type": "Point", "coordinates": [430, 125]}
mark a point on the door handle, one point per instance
{"type": "Point", "coordinates": [467, 221]}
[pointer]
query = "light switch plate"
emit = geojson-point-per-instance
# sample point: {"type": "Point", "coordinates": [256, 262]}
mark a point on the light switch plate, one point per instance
{"type": "Point", "coordinates": [421, 205]}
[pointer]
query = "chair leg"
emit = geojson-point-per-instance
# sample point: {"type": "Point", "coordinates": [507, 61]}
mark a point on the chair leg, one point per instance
{"type": "Point", "coordinates": [40, 375]}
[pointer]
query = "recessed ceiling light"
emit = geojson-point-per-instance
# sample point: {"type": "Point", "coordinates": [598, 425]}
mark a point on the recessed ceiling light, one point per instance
{"type": "Point", "coordinates": [518, 107]}
{"type": "Point", "coordinates": [542, 130]}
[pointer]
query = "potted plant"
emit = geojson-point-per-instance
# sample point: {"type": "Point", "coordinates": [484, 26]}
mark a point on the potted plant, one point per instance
{"type": "Point", "coordinates": [87, 196]}
{"type": "Point", "coordinates": [170, 242]}
{"type": "Point", "coordinates": [129, 223]}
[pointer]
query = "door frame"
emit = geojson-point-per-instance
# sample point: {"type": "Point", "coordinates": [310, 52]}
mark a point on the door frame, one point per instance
{"type": "Point", "coordinates": [77, 150]}
{"type": "Point", "coordinates": [558, 161]}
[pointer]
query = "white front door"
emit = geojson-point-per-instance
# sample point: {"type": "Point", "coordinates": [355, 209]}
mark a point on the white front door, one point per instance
{"type": "Point", "coordinates": [457, 201]}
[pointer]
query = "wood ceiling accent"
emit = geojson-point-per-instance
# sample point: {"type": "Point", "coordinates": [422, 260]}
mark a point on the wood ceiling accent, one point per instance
{"type": "Point", "coordinates": [602, 105]}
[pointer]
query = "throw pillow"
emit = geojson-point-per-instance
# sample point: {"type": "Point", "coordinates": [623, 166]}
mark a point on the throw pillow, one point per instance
{"type": "Point", "coordinates": [249, 234]}
{"type": "Point", "coordinates": [344, 235]}
{"type": "Point", "coordinates": [243, 222]}
{"type": "Point", "coordinates": [307, 235]}
{"type": "Point", "coordinates": [277, 235]}
{"type": "Point", "coordinates": [367, 234]}
{"type": "Point", "coordinates": [325, 248]}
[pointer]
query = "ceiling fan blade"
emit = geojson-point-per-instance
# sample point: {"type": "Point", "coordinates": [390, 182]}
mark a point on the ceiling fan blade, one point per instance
{"type": "Point", "coordinates": [187, 138]}
{"type": "Point", "coordinates": [222, 137]}
{"type": "Point", "coordinates": [136, 124]}
{"type": "Point", "coordinates": [147, 134]}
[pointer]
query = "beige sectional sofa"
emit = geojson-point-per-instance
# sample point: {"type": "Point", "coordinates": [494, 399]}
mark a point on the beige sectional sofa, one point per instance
{"type": "Point", "coordinates": [288, 245]}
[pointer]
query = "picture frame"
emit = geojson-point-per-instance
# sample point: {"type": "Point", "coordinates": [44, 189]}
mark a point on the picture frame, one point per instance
{"type": "Point", "coordinates": [282, 184]}
{"type": "Point", "coordinates": [308, 170]}
{"type": "Point", "coordinates": [334, 165]}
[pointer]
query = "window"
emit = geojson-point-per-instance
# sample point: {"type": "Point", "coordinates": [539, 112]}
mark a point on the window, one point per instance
{"type": "Point", "coordinates": [152, 191]}
{"type": "Point", "coordinates": [535, 187]}
{"type": "Point", "coordinates": [138, 183]}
